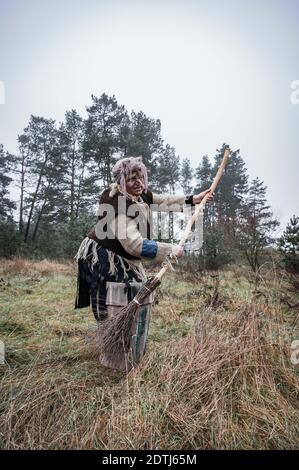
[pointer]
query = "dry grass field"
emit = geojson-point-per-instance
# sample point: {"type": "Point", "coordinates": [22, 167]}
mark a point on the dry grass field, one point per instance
{"type": "Point", "coordinates": [217, 373]}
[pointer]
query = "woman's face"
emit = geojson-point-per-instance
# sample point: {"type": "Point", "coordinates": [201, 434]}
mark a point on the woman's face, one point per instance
{"type": "Point", "coordinates": [135, 183]}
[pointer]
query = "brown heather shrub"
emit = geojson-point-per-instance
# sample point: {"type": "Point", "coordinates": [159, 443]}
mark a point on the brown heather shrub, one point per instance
{"type": "Point", "coordinates": [21, 266]}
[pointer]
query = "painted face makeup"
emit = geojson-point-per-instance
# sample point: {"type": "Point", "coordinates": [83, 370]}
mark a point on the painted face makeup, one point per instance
{"type": "Point", "coordinates": [135, 183]}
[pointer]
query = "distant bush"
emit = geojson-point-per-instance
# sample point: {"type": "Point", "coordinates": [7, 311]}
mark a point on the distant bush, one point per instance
{"type": "Point", "coordinates": [10, 240]}
{"type": "Point", "coordinates": [289, 245]}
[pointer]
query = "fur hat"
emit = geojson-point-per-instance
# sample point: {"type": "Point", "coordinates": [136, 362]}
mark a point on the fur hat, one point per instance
{"type": "Point", "coordinates": [125, 167]}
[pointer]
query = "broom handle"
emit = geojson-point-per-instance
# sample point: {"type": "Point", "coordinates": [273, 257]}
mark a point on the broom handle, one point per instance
{"type": "Point", "coordinates": [199, 207]}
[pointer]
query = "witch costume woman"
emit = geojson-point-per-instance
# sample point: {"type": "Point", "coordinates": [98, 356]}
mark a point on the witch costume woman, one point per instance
{"type": "Point", "coordinates": [110, 259]}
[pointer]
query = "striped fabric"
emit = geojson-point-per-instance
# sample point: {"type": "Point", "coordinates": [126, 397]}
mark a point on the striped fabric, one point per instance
{"type": "Point", "coordinates": [117, 293]}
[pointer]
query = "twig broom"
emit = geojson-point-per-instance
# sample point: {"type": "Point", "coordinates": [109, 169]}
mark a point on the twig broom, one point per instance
{"type": "Point", "coordinates": [116, 333]}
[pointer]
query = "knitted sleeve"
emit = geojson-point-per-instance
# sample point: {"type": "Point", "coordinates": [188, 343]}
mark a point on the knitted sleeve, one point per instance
{"type": "Point", "coordinates": [135, 244]}
{"type": "Point", "coordinates": [167, 203]}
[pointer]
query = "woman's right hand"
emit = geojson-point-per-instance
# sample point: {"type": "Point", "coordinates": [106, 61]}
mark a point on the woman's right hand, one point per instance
{"type": "Point", "coordinates": [178, 251]}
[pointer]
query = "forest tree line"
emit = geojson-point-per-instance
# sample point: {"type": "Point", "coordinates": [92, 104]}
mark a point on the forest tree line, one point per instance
{"type": "Point", "coordinates": [61, 168]}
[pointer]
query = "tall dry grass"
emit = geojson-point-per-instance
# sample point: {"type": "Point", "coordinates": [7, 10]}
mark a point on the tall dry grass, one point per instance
{"type": "Point", "coordinates": [20, 266]}
{"type": "Point", "coordinates": [228, 385]}
{"type": "Point", "coordinates": [226, 382]}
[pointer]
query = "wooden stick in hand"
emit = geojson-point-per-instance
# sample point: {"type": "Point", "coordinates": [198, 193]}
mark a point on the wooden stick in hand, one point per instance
{"type": "Point", "coordinates": [199, 207]}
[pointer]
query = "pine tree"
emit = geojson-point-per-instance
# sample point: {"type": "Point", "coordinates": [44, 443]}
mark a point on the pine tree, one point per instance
{"type": "Point", "coordinates": [215, 252]}
{"type": "Point", "coordinates": [79, 184]}
{"type": "Point", "coordinates": [6, 205]}
{"type": "Point", "coordinates": [104, 134]}
{"type": "Point", "coordinates": [289, 245]}
{"type": "Point", "coordinates": [168, 170]}
{"type": "Point", "coordinates": [21, 169]}
{"type": "Point", "coordinates": [256, 224]}
{"type": "Point", "coordinates": [203, 175]}
{"type": "Point", "coordinates": [186, 176]}
{"type": "Point", "coordinates": [204, 178]}
{"type": "Point", "coordinates": [167, 179]}
{"type": "Point", "coordinates": [231, 191]}
{"type": "Point", "coordinates": [9, 239]}
{"type": "Point", "coordinates": [144, 138]}
{"type": "Point", "coordinates": [39, 167]}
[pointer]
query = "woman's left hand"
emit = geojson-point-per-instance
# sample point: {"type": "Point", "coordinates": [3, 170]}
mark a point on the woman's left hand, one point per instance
{"type": "Point", "coordinates": [197, 198]}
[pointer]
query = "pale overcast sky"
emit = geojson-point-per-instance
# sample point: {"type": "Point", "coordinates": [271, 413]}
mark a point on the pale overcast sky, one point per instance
{"type": "Point", "coordinates": [212, 71]}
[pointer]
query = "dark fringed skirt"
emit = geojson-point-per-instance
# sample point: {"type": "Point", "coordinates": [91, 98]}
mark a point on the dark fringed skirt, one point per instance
{"type": "Point", "coordinates": [108, 283]}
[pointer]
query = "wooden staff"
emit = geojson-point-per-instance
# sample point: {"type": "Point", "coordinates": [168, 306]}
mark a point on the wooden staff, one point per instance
{"type": "Point", "coordinates": [116, 333]}
{"type": "Point", "coordinates": [199, 207]}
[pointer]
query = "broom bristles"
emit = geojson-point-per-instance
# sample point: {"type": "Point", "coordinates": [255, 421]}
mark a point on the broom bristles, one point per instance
{"type": "Point", "coordinates": [116, 335]}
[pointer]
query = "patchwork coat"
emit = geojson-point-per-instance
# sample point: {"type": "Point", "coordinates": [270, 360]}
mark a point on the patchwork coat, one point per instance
{"type": "Point", "coordinates": [110, 261]}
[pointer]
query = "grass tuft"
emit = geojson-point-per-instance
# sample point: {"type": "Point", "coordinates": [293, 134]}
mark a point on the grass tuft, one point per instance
{"type": "Point", "coordinates": [217, 373]}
